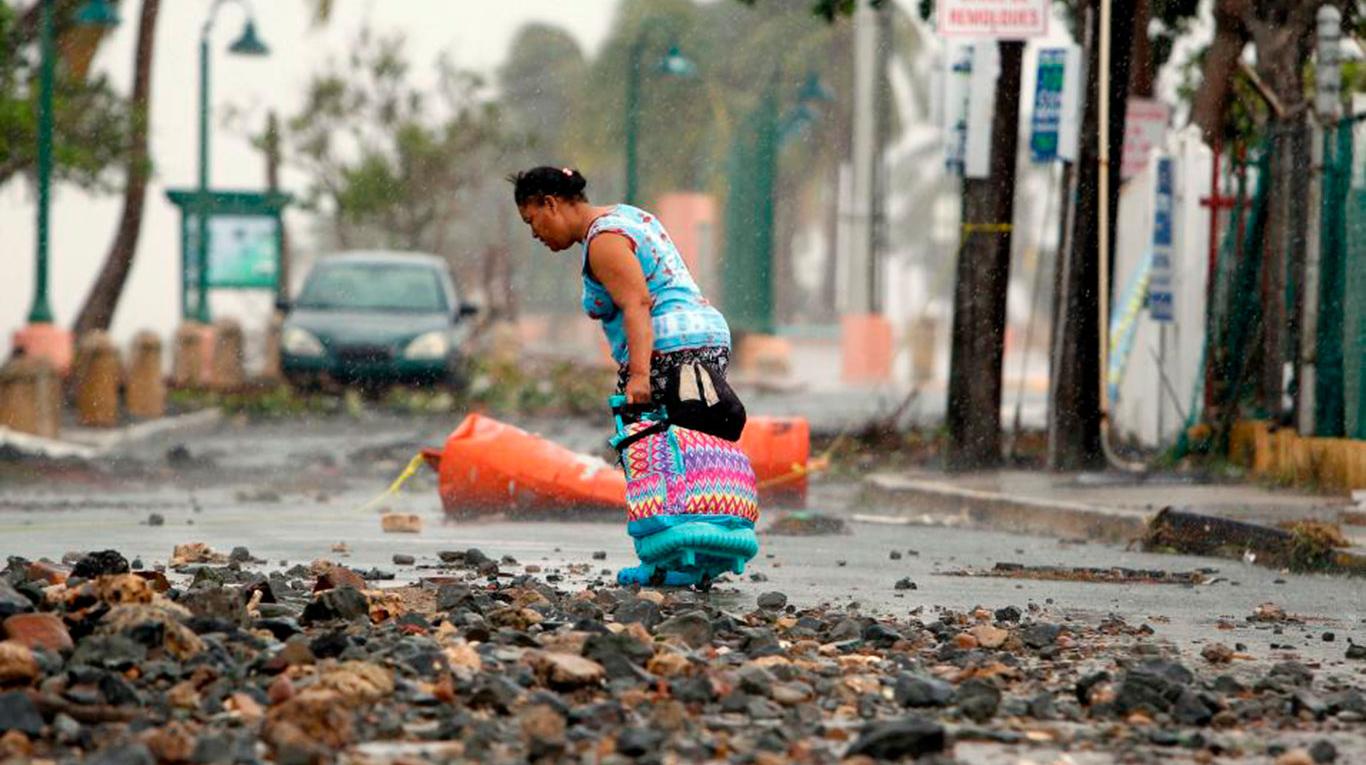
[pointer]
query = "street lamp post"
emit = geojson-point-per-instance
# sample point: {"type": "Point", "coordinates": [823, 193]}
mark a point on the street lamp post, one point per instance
{"type": "Point", "coordinates": [40, 337]}
{"type": "Point", "coordinates": [95, 13]}
{"type": "Point", "coordinates": [674, 64]}
{"type": "Point", "coordinates": [246, 45]}
{"type": "Point", "coordinates": [753, 171]}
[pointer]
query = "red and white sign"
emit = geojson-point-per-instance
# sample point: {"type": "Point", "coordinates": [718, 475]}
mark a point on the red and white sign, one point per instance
{"type": "Point", "coordinates": [1145, 129]}
{"type": "Point", "coordinates": [993, 19]}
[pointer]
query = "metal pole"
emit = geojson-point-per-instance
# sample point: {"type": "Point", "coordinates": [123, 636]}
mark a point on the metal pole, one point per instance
{"type": "Point", "coordinates": [41, 312]}
{"type": "Point", "coordinates": [860, 257]}
{"type": "Point", "coordinates": [202, 198]}
{"type": "Point", "coordinates": [633, 118]}
{"type": "Point", "coordinates": [1327, 81]}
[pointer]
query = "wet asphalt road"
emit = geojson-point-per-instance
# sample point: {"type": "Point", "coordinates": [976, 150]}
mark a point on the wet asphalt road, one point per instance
{"type": "Point", "coordinates": [289, 491]}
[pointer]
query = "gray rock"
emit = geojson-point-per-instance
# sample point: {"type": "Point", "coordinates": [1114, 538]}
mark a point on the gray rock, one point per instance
{"type": "Point", "coordinates": [452, 596]}
{"type": "Point", "coordinates": [755, 679]}
{"type": "Point", "coordinates": [1356, 651]}
{"type": "Point", "coordinates": [401, 559]}
{"type": "Point", "coordinates": [898, 739]}
{"type": "Point", "coordinates": [637, 610]}
{"type": "Point", "coordinates": [1323, 752]}
{"type": "Point", "coordinates": [156, 519]}
{"type": "Point", "coordinates": [1294, 673]}
{"type": "Point", "coordinates": [345, 603]}
{"type": "Point", "coordinates": [905, 583]}
{"type": "Point", "coordinates": [116, 652]}
{"type": "Point", "coordinates": [978, 699]}
{"type": "Point", "coordinates": [1008, 614]}
{"type": "Point", "coordinates": [922, 691]}
{"type": "Point", "coordinates": [240, 554]}
{"type": "Point", "coordinates": [772, 600]}
{"type": "Point", "coordinates": [846, 629]}
{"type": "Point", "coordinates": [100, 563]}
{"type": "Point", "coordinates": [638, 741]}
{"type": "Point", "coordinates": [1191, 709]}
{"type": "Point", "coordinates": [17, 712]}
{"type": "Point", "coordinates": [620, 654]}
{"type": "Point", "coordinates": [693, 627]}
{"type": "Point", "coordinates": [12, 601]}
{"type": "Point", "coordinates": [1041, 635]}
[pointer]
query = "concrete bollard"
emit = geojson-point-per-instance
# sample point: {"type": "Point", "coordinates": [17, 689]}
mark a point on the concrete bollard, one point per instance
{"type": "Point", "coordinates": [98, 374]}
{"type": "Point", "coordinates": [505, 343]}
{"type": "Point", "coordinates": [30, 397]}
{"type": "Point", "coordinates": [187, 363]}
{"type": "Point", "coordinates": [270, 369]}
{"type": "Point", "coordinates": [146, 391]}
{"type": "Point", "coordinates": [228, 356]}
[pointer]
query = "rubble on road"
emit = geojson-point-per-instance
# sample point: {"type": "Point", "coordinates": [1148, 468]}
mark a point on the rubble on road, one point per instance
{"type": "Point", "coordinates": [482, 663]}
{"type": "Point", "coordinates": [1111, 575]}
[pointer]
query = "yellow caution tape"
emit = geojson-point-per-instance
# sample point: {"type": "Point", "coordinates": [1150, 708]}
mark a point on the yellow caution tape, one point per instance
{"type": "Point", "coordinates": [408, 472]}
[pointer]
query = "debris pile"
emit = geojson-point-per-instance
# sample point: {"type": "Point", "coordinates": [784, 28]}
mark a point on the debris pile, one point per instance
{"type": "Point", "coordinates": [218, 661]}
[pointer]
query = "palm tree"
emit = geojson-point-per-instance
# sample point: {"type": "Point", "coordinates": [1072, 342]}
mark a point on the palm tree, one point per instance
{"type": "Point", "coordinates": [98, 311]}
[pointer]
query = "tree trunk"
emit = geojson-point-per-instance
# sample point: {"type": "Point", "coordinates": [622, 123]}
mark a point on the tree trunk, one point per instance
{"type": "Point", "coordinates": [1074, 412]}
{"type": "Point", "coordinates": [271, 145]}
{"type": "Point", "coordinates": [979, 299]}
{"type": "Point", "coordinates": [1279, 49]}
{"type": "Point", "coordinates": [1211, 100]}
{"type": "Point", "coordinates": [103, 300]}
{"type": "Point", "coordinates": [1143, 73]}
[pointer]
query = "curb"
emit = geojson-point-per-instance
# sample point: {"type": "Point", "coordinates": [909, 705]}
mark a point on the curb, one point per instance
{"type": "Point", "coordinates": [937, 502]}
{"type": "Point", "coordinates": [91, 444]}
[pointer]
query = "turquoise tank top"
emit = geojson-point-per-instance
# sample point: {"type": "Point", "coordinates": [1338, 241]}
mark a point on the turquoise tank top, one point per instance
{"type": "Point", "coordinates": [681, 317]}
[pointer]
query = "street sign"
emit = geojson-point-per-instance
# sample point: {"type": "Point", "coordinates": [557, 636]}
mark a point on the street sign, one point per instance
{"type": "Point", "coordinates": [957, 90]}
{"type": "Point", "coordinates": [245, 239]}
{"type": "Point", "coordinates": [992, 19]}
{"type": "Point", "coordinates": [1161, 303]}
{"type": "Point", "coordinates": [1145, 129]}
{"type": "Point", "coordinates": [1043, 127]}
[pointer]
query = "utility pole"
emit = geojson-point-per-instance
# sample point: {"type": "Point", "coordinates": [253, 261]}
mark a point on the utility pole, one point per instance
{"type": "Point", "coordinates": [860, 299]}
{"type": "Point", "coordinates": [1075, 406]}
{"type": "Point", "coordinates": [983, 276]}
{"type": "Point", "coordinates": [1327, 104]}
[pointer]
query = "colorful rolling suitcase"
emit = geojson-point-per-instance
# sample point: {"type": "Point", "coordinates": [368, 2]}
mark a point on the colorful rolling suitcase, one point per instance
{"type": "Point", "coordinates": [691, 502]}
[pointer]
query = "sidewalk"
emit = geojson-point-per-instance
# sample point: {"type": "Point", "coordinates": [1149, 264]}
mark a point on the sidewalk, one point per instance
{"type": "Point", "coordinates": [91, 443]}
{"type": "Point", "coordinates": [1101, 507]}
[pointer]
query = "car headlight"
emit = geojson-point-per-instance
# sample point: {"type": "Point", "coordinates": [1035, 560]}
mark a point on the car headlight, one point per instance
{"type": "Point", "coordinates": [300, 342]}
{"type": "Point", "coordinates": [432, 345]}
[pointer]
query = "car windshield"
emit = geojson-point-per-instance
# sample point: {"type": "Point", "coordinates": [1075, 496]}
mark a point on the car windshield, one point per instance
{"type": "Point", "coordinates": [374, 287]}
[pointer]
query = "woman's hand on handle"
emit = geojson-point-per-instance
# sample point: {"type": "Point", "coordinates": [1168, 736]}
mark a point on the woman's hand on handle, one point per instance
{"type": "Point", "coordinates": [638, 388]}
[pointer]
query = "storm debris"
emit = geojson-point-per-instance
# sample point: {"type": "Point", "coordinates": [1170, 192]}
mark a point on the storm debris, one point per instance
{"type": "Point", "coordinates": [1112, 575]}
{"type": "Point", "coordinates": [312, 665]}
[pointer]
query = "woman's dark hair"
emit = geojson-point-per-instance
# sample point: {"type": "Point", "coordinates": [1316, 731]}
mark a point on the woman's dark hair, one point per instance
{"type": "Point", "coordinates": [539, 182]}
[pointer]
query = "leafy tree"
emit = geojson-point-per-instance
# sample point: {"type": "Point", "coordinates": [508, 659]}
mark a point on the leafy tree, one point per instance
{"type": "Point", "coordinates": [103, 300]}
{"type": "Point", "coordinates": [388, 163]}
{"type": "Point", "coordinates": [92, 122]}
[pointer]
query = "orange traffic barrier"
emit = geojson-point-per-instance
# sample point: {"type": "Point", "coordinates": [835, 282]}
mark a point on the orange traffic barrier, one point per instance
{"type": "Point", "coordinates": [487, 466]}
{"type": "Point", "coordinates": [780, 449]}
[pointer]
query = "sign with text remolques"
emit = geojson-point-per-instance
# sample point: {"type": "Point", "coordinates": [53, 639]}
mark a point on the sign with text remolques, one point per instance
{"type": "Point", "coordinates": [992, 19]}
{"type": "Point", "coordinates": [1145, 128]}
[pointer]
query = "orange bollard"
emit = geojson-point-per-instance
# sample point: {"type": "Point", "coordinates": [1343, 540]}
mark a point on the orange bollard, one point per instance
{"type": "Point", "coordinates": [146, 393]}
{"type": "Point", "coordinates": [228, 364]}
{"type": "Point", "coordinates": [98, 375]}
{"type": "Point", "coordinates": [30, 397]}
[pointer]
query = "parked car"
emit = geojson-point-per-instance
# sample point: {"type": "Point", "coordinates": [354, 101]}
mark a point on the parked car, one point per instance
{"type": "Point", "coordinates": [373, 319]}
